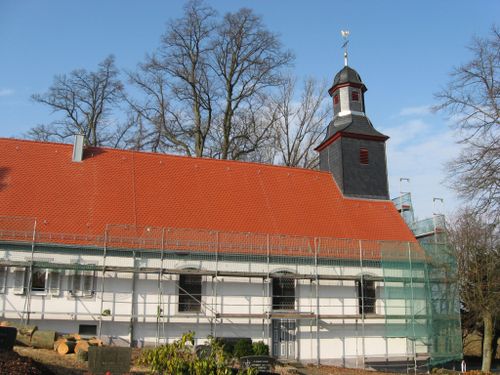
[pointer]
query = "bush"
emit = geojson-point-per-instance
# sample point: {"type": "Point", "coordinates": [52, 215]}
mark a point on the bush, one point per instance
{"type": "Point", "coordinates": [179, 358]}
{"type": "Point", "coordinates": [243, 348]}
{"type": "Point", "coordinates": [228, 345]}
{"type": "Point", "coordinates": [259, 348]}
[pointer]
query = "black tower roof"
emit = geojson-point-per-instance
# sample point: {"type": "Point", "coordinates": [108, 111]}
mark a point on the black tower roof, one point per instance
{"type": "Point", "coordinates": [348, 75]}
{"type": "Point", "coordinates": [355, 120]}
{"type": "Point", "coordinates": [354, 124]}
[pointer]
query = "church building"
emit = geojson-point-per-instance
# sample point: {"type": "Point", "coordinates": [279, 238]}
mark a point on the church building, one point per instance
{"type": "Point", "coordinates": [137, 247]}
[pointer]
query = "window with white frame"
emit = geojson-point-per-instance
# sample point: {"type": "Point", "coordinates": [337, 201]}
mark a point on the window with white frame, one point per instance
{"type": "Point", "coordinates": [82, 283]}
{"type": "Point", "coordinates": [19, 280]}
{"type": "Point", "coordinates": [39, 280]}
{"type": "Point", "coordinates": [54, 282]}
{"type": "Point", "coordinates": [43, 281]}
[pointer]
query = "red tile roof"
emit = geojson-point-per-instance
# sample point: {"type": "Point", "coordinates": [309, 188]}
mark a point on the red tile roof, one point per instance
{"type": "Point", "coordinates": [38, 179]}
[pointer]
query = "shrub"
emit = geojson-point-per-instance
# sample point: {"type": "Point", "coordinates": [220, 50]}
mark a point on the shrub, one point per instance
{"type": "Point", "coordinates": [228, 346]}
{"type": "Point", "coordinates": [259, 348]}
{"type": "Point", "coordinates": [179, 358]}
{"type": "Point", "coordinates": [243, 348]}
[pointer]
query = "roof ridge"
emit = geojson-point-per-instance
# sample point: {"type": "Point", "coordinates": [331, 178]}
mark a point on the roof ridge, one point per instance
{"type": "Point", "coordinates": [165, 155]}
{"type": "Point", "coordinates": [24, 140]}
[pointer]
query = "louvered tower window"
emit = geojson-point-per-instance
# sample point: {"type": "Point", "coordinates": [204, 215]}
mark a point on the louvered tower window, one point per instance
{"type": "Point", "coordinates": [363, 155]}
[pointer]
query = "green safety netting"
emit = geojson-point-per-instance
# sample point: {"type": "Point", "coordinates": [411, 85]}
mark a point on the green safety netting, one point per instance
{"type": "Point", "coordinates": [421, 299]}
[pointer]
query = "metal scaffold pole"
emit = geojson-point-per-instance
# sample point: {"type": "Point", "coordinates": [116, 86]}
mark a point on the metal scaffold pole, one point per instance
{"type": "Point", "coordinates": [362, 302]}
{"type": "Point", "coordinates": [103, 274]}
{"type": "Point", "coordinates": [269, 301]}
{"type": "Point", "coordinates": [27, 301]}
{"type": "Point", "coordinates": [316, 274]}
{"type": "Point", "coordinates": [132, 307]}
{"type": "Point", "coordinates": [159, 310]}
{"type": "Point", "coordinates": [412, 309]}
{"type": "Point", "coordinates": [216, 279]}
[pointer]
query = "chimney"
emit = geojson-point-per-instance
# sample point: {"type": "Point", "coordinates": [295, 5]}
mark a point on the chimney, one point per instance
{"type": "Point", "coordinates": [78, 148]}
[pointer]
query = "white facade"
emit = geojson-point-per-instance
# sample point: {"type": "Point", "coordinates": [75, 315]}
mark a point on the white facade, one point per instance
{"type": "Point", "coordinates": [325, 324]}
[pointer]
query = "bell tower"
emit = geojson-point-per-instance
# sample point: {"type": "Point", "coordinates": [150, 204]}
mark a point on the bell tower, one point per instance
{"type": "Point", "coordinates": [353, 150]}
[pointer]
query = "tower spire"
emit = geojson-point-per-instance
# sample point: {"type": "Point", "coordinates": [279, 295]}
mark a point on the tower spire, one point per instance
{"type": "Point", "coordinates": [345, 35]}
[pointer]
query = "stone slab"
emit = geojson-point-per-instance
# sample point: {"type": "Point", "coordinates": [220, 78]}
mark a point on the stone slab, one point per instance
{"type": "Point", "coordinates": [262, 363]}
{"type": "Point", "coordinates": [113, 359]}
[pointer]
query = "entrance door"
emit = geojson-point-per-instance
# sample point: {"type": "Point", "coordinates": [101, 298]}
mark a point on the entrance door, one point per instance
{"type": "Point", "coordinates": [284, 336]}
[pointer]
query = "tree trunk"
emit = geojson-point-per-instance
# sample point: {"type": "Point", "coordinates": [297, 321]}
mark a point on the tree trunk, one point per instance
{"type": "Point", "coordinates": [227, 121]}
{"type": "Point", "coordinates": [43, 339]}
{"type": "Point", "coordinates": [487, 341]}
{"type": "Point", "coordinates": [66, 347]}
{"type": "Point", "coordinates": [59, 341]}
{"type": "Point", "coordinates": [81, 345]}
{"type": "Point", "coordinates": [95, 342]}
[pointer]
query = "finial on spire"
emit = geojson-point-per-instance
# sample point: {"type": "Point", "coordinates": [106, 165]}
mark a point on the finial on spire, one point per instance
{"type": "Point", "coordinates": [345, 35]}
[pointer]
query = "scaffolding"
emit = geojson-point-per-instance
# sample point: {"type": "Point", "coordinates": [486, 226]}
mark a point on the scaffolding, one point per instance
{"type": "Point", "coordinates": [419, 300]}
{"type": "Point", "coordinates": [439, 296]}
{"type": "Point", "coordinates": [429, 229]}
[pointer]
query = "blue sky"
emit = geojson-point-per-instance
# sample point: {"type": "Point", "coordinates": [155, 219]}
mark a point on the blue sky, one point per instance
{"type": "Point", "coordinates": [403, 50]}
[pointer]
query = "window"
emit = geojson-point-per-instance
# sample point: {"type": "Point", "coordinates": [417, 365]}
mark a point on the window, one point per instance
{"type": "Point", "coordinates": [363, 156]}
{"type": "Point", "coordinates": [42, 281]}
{"type": "Point", "coordinates": [54, 282]}
{"type": "Point", "coordinates": [283, 293]}
{"type": "Point", "coordinates": [39, 280]}
{"type": "Point", "coordinates": [45, 281]}
{"type": "Point", "coordinates": [355, 96]}
{"type": "Point", "coordinates": [82, 283]}
{"type": "Point", "coordinates": [87, 329]}
{"type": "Point", "coordinates": [336, 99]}
{"type": "Point", "coordinates": [19, 280]}
{"type": "Point", "coordinates": [366, 296]}
{"type": "Point", "coordinates": [3, 279]}
{"type": "Point", "coordinates": [190, 293]}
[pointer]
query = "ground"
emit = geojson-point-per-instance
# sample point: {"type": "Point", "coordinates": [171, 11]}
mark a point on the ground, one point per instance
{"type": "Point", "coordinates": [13, 364]}
{"type": "Point", "coordinates": [331, 370]}
{"type": "Point", "coordinates": [29, 361]}
{"type": "Point", "coordinates": [25, 360]}
{"type": "Point", "coordinates": [51, 361]}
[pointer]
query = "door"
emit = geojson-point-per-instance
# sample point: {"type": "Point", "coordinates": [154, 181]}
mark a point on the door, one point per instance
{"type": "Point", "coordinates": [284, 337]}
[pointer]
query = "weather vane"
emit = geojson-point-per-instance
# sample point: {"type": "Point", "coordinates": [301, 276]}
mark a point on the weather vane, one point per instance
{"type": "Point", "coordinates": [345, 35]}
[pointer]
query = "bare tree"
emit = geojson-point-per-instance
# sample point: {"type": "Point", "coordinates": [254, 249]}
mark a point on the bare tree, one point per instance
{"type": "Point", "coordinates": [300, 123]}
{"type": "Point", "coordinates": [476, 242]}
{"type": "Point", "coordinates": [131, 134]}
{"type": "Point", "coordinates": [85, 99]}
{"type": "Point", "coordinates": [159, 126]}
{"type": "Point", "coordinates": [252, 136]}
{"type": "Point", "coordinates": [472, 100]}
{"type": "Point", "coordinates": [204, 86]}
{"type": "Point", "coordinates": [247, 60]}
{"type": "Point", "coordinates": [176, 84]}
